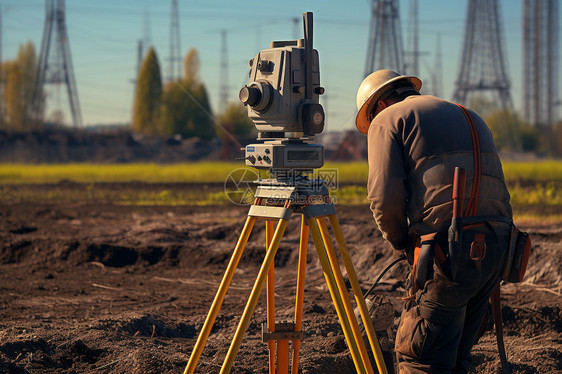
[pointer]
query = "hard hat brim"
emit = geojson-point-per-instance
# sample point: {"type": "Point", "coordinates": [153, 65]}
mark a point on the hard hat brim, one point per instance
{"type": "Point", "coordinates": [362, 119]}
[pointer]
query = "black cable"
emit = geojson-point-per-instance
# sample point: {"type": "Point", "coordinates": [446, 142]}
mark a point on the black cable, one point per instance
{"type": "Point", "coordinates": [401, 258]}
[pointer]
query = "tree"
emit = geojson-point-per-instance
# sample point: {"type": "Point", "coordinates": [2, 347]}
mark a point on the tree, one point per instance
{"type": "Point", "coordinates": [148, 96]}
{"type": "Point", "coordinates": [558, 137]}
{"type": "Point", "coordinates": [185, 104]}
{"type": "Point", "coordinates": [201, 118]}
{"type": "Point", "coordinates": [191, 65]}
{"type": "Point", "coordinates": [502, 125]}
{"type": "Point", "coordinates": [530, 137]}
{"type": "Point", "coordinates": [503, 122]}
{"type": "Point", "coordinates": [234, 124]}
{"type": "Point", "coordinates": [235, 120]}
{"type": "Point", "coordinates": [20, 80]}
{"type": "Point", "coordinates": [483, 105]}
{"type": "Point", "coordinates": [176, 109]}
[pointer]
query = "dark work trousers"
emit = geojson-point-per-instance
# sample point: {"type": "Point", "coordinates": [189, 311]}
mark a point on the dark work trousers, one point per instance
{"type": "Point", "coordinates": [440, 324]}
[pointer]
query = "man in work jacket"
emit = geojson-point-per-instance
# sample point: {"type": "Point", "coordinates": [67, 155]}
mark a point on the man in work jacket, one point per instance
{"type": "Point", "coordinates": [414, 143]}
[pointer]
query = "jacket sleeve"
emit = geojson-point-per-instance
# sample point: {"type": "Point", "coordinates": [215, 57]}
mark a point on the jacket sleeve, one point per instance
{"type": "Point", "coordinates": [386, 185]}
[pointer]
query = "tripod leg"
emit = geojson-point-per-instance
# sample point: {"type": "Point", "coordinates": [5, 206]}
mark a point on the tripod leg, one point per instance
{"type": "Point", "coordinates": [336, 296]}
{"type": "Point", "coordinates": [303, 248]}
{"type": "Point", "coordinates": [282, 356]}
{"type": "Point", "coordinates": [375, 347]}
{"type": "Point", "coordinates": [344, 293]}
{"type": "Point", "coordinates": [219, 297]}
{"type": "Point", "coordinates": [270, 298]}
{"type": "Point", "coordinates": [254, 296]}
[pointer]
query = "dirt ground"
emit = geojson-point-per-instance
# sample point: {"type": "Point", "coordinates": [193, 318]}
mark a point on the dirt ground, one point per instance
{"type": "Point", "coordinates": [91, 287]}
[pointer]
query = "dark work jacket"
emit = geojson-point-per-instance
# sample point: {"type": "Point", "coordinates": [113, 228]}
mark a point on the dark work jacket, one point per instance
{"type": "Point", "coordinates": [414, 146]}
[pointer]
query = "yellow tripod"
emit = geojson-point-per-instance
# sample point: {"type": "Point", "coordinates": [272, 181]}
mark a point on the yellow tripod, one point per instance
{"type": "Point", "coordinates": [276, 202]}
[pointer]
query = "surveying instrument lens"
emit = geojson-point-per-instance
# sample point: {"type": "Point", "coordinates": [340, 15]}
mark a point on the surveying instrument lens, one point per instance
{"type": "Point", "coordinates": [282, 101]}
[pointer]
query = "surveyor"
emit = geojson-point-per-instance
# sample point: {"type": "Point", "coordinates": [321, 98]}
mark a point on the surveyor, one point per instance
{"type": "Point", "coordinates": [414, 144]}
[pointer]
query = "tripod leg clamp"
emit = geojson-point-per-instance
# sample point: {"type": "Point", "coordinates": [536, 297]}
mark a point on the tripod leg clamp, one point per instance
{"type": "Point", "coordinates": [283, 331]}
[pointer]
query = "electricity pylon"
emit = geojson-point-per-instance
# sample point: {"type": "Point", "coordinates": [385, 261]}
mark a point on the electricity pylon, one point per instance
{"type": "Point", "coordinates": [385, 49]}
{"type": "Point", "coordinates": [56, 68]}
{"type": "Point", "coordinates": [483, 63]}
{"type": "Point", "coordinates": [540, 65]}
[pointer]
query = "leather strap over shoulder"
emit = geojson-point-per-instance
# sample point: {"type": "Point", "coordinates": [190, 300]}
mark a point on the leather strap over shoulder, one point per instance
{"type": "Point", "coordinates": [473, 202]}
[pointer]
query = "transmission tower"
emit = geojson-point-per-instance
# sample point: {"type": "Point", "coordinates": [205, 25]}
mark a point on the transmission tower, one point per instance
{"type": "Point", "coordinates": [540, 64]}
{"type": "Point", "coordinates": [413, 39]}
{"type": "Point", "coordinates": [385, 49]}
{"type": "Point", "coordinates": [1, 75]}
{"type": "Point", "coordinates": [483, 63]}
{"type": "Point", "coordinates": [140, 51]}
{"type": "Point", "coordinates": [142, 45]}
{"type": "Point", "coordinates": [146, 32]}
{"type": "Point", "coordinates": [437, 85]}
{"type": "Point", "coordinates": [223, 77]}
{"type": "Point", "coordinates": [57, 68]}
{"type": "Point", "coordinates": [174, 71]}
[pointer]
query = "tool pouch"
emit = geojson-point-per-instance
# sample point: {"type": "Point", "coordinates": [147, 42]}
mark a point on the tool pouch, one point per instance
{"type": "Point", "coordinates": [427, 250]}
{"type": "Point", "coordinates": [517, 256]}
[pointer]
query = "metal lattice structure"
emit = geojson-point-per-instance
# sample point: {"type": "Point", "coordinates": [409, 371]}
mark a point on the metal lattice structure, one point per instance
{"type": "Point", "coordinates": [483, 67]}
{"type": "Point", "coordinates": [412, 67]}
{"type": "Point", "coordinates": [1, 74]}
{"type": "Point", "coordinates": [385, 49]}
{"type": "Point", "coordinates": [142, 45]}
{"type": "Point", "coordinates": [540, 63]}
{"type": "Point", "coordinates": [174, 70]}
{"type": "Point", "coordinates": [437, 71]}
{"type": "Point", "coordinates": [55, 63]}
{"type": "Point", "coordinates": [223, 89]}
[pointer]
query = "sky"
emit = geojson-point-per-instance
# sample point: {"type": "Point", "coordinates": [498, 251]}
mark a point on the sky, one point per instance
{"type": "Point", "coordinates": [103, 37]}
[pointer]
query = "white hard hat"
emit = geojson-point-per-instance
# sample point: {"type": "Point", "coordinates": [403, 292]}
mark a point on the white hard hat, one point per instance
{"type": "Point", "coordinates": [371, 90]}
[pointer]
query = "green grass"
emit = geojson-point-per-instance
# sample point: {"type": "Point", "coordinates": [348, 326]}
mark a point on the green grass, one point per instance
{"type": "Point", "coordinates": [532, 185]}
{"type": "Point", "coordinates": [209, 172]}
{"type": "Point", "coordinates": [541, 171]}
{"type": "Point", "coordinates": [549, 194]}
{"type": "Point", "coordinates": [204, 172]}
